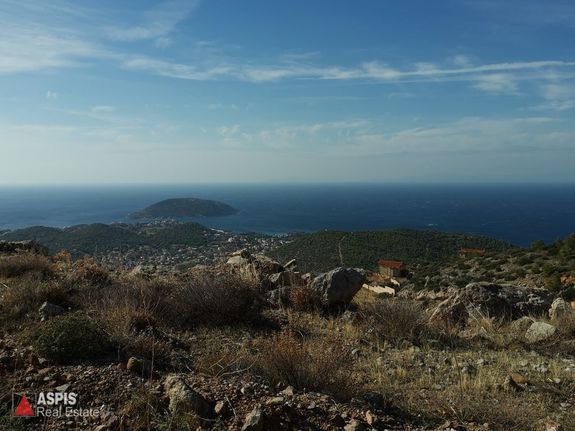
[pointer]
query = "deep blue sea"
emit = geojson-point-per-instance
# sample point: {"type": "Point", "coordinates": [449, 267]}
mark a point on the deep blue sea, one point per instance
{"type": "Point", "coordinates": [516, 213]}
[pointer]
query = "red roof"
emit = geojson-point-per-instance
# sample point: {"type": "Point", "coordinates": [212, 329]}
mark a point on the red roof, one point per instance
{"type": "Point", "coordinates": [393, 264]}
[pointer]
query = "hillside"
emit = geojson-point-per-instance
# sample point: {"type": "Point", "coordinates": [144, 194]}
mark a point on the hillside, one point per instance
{"type": "Point", "coordinates": [241, 346]}
{"type": "Point", "coordinates": [185, 207]}
{"type": "Point", "coordinates": [98, 237]}
{"type": "Point", "coordinates": [321, 251]}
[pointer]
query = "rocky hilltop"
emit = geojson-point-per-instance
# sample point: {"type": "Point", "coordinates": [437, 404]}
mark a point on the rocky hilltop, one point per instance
{"type": "Point", "coordinates": [185, 207]}
{"type": "Point", "coordinates": [478, 341]}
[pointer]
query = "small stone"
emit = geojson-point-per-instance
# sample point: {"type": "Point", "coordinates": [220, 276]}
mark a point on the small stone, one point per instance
{"type": "Point", "coordinates": [370, 418]}
{"type": "Point", "coordinates": [275, 401]}
{"type": "Point", "coordinates": [254, 421]}
{"type": "Point", "coordinates": [221, 408]}
{"type": "Point", "coordinates": [288, 392]}
{"type": "Point", "coordinates": [520, 379]}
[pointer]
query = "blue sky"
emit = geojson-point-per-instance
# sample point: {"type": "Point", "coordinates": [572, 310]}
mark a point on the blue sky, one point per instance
{"type": "Point", "coordinates": [268, 90]}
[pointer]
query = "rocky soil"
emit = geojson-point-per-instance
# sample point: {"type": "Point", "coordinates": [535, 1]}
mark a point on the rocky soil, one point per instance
{"type": "Point", "coordinates": [254, 344]}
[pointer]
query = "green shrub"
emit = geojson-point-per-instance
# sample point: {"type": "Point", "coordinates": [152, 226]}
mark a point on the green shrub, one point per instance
{"type": "Point", "coordinates": [553, 283]}
{"type": "Point", "coordinates": [69, 339]}
{"type": "Point", "coordinates": [537, 245]}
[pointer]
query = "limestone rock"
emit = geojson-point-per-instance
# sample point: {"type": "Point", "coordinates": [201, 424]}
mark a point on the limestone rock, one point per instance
{"type": "Point", "coordinates": [519, 327]}
{"type": "Point", "coordinates": [500, 301]}
{"type": "Point", "coordinates": [254, 267]}
{"type": "Point", "coordinates": [183, 398]}
{"type": "Point", "coordinates": [559, 308]}
{"type": "Point", "coordinates": [254, 421]}
{"type": "Point", "coordinates": [540, 331]}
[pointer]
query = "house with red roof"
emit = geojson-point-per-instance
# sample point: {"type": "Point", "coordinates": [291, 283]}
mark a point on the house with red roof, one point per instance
{"type": "Point", "coordinates": [391, 268]}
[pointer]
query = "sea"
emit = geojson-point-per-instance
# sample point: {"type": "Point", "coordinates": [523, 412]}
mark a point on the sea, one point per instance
{"type": "Point", "coordinates": [517, 213]}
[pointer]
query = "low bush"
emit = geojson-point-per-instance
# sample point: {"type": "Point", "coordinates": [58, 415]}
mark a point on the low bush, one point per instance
{"type": "Point", "coordinates": [396, 320]}
{"type": "Point", "coordinates": [304, 298]}
{"type": "Point", "coordinates": [214, 299]}
{"type": "Point", "coordinates": [89, 271]}
{"type": "Point", "coordinates": [37, 266]}
{"type": "Point", "coordinates": [310, 364]}
{"type": "Point", "coordinates": [26, 295]}
{"type": "Point", "coordinates": [71, 338]}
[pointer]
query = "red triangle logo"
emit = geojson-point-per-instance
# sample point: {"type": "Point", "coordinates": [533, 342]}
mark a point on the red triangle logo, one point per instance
{"type": "Point", "coordinates": [24, 408]}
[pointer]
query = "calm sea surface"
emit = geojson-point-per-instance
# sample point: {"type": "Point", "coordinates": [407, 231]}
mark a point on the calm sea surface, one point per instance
{"type": "Point", "coordinates": [516, 213]}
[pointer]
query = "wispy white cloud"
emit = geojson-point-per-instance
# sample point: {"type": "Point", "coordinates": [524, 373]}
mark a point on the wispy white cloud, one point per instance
{"type": "Point", "coordinates": [497, 83]}
{"type": "Point", "coordinates": [104, 109]}
{"type": "Point", "coordinates": [557, 96]}
{"type": "Point", "coordinates": [490, 77]}
{"type": "Point", "coordinates": [363, 138]}
{"type": "Point", "coordinates": [23, 49]}
{"type": "Point", "coordinates": [157, 22]}
{"type": "Point", "coordinates": [468, 135]}
{"type": "Point", "coordinates": [45, 35]}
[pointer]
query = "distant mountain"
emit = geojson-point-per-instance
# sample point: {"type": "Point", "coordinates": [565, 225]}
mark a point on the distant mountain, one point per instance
{"type": "Point", "coordinates": [322, 251]}
{"type": "Point", "coordinates": [185, 207]}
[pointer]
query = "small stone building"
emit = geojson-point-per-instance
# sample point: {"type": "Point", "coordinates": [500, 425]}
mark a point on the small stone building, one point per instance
{"type": "Point", "coordinates": [391, 268]}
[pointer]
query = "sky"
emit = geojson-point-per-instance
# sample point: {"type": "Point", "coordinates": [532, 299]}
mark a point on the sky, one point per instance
{"type": "Point", "coordinates": [187, 91]}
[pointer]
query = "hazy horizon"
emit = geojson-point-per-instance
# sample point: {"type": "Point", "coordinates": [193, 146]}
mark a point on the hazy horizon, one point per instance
{"type": "Point", "coordinates": [197, 91]}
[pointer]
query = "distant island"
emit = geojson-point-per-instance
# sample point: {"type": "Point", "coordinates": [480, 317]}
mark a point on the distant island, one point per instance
{"type": "Point", "coordinates": [185, 207]}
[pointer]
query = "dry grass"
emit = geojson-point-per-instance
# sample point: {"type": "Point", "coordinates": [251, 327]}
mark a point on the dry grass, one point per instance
{"type": "Point", "coordinates": [87, 270]}
{"type": "Point", "coordinates": [133, 314]}
{"type": "Point", "coordinates": [438, 385]}
{"type": "Point", "coordinates": [25, 295]}
{"type": "Point", "coordinates": [215, 299]}
{"type": "Point", "coordinates": [304, 298]}
{"type": "Point", "coordinates": [307, 364]}
{"type": "Point", "coordinates": [396, 321]}
{"type": "Point", "coordinates": [37, 266]}
{"type": "Point", "coordinates": [566, 325]}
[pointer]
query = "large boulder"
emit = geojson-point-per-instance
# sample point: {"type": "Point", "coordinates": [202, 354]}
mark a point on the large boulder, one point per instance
{"type": "Point", "coordinates": [254, 267]}
{"type": "Point", "coordinates": [500, 301]}
{"type": "Point", "coordinates": [340, 285]}
{"type": "Point", "coordinates": [184, 399]}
